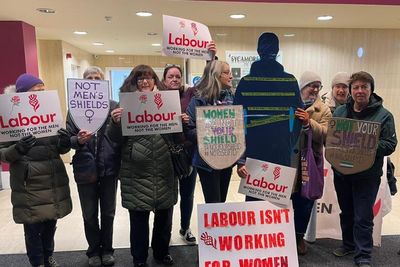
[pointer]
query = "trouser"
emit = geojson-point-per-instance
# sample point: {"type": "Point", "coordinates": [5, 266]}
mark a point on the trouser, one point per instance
{"type": "Point", "coordinates": [186, 191]}
{"type": "Point", "coordinates": [99, 237]}
{"type": "Point", "coordinates": [356, 199]}
{"type": "Point", "coordinates": [39, 241]}
{"type": "Point", "coordinates": [215, 184]}
{"type": "Point", "coordinates": [302, 212]}
{"type": "Point", "coordinates": [139, 237]}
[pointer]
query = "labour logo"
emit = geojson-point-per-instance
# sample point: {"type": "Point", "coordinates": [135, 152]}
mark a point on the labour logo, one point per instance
{"type": "Point", "coordinates": [158, 100]}
{"type": "Point", "coordinates": [34, 102]}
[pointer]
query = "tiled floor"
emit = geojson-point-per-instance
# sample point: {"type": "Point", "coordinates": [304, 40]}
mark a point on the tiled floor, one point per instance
{"type": "Point", "coordinates": [70, 234]}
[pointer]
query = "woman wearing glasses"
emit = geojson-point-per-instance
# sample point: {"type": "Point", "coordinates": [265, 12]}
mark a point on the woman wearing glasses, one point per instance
{"type": "Point", "coordinates": [314, 117]}
{"type": "Point", "coordinates": [147, 178]}
{"type": "Point", "coordinates": [214, 88]}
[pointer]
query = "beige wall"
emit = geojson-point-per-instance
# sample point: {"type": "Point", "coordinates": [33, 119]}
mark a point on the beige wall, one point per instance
{"type": "Point", "coordinates": [132, 61]}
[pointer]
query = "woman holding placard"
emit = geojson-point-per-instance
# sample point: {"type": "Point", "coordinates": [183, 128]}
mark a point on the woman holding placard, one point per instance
{"type": "Point", "coordinates": [96, 166]}
{"type": "Point", "coordinates": [147, 177]}
{"type": "Point", "coordinates": [214, 88]}
{"type": "Point", "coordinates": [39, 183]}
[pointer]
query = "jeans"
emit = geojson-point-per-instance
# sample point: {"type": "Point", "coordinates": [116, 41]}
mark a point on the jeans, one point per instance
{"type": "Point", "coordinates": [215, 184]}
{"type": "Point", "coordinates": [302, 212]}
{"type": "Point", "coordinates": [139, 237]}
{"type": "Point", "coordinates": [39, 241]}
{"type": "Point", "coordinates": [99, 237]}
{"type": "Point", "coordinates": [356, 200]}
{"type": "Point", "coordinates": [186, 191]}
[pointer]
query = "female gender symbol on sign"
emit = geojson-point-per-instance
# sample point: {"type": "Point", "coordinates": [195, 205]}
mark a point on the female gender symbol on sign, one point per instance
{"type": "Point", "coordinates": [89, 113]}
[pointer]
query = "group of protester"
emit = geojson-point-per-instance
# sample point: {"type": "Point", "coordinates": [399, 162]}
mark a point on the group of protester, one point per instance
{"type": "Point", "coordinates": [143, 165]}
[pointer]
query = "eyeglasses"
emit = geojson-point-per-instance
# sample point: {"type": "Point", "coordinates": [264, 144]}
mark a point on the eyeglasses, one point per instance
{"type": "Point", "coordinates": [140, 80]}
{"type": "Point", "coordinates": [172, 65]}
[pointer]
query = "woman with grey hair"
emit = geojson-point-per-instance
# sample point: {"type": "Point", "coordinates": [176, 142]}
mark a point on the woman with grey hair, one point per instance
{"type": "Point", "coordinates": [96, 166]}
{"type": "Point", "coordinates": [214, 88]}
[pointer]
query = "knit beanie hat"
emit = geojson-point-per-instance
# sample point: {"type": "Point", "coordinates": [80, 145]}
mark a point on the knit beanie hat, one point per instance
{"type": "Point", "coordinates": [26, 82]}
{"type": "Point", "coordinates": [341, 78]}
{"type": "Point", "coordinates": [268, 45]}
{"type": "Point", "coordinates": [307, 78]}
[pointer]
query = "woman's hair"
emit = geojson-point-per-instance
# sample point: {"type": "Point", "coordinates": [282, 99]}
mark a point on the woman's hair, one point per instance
{"type": "Point", "coordinates": [93, 70]}
{"type": "Point", "coordinates": [364, 77]}
{"type": "Point", "coordinates": [130, 83]}
{"type": "Point", "coordinates": [167, 68]}
{"type": "Point", "coordinates": [210, 87]}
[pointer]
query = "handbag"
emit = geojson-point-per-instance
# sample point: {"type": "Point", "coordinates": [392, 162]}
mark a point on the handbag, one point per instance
{"type": "Point", "coordinates": [312, 171]}
{"type": "Point", "coordinates": [180, 158]}
{"type": "Point", "coordinates": [84, 167]}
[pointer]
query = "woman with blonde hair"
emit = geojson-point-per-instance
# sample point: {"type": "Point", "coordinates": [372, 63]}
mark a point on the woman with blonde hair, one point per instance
{"type": "Point", "coordinates": [214, 88]}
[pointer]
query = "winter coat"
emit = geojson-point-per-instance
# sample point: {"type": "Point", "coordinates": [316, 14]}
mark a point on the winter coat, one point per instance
{"type": "Point", "coordinates": [38, 180]}
{"type": "Point", "coordinates": [387, 139]}
{"type": "Point", "coordinates": [99, 157]}
{"type": "Point", "coordinates": [147, 176]}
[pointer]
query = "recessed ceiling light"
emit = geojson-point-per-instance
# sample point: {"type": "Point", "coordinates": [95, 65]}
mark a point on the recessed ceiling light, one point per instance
{"type": "Point", "coordinates": [326, 17]}
{"type": "Point", "coordinates": [155, 44]}
{"type": "Point", "coordinates": [237, 16]}
{"type": "Point", "coordinates": [46, 10]}
{"type": "Point", "coordinates": [144, 14]}
{"type": "Point", "coordinates": [97, 43]}
{"type": "Point", "coordinates": [80, 33]}
{"type": "Point", "coordinates": [152, 33]}
{"type": "Point", "coordinates": [110, 51]}
{"type": "Point", "coordinates": [221, 34]}
{"type": "Point", "coordinates": [289, 34]}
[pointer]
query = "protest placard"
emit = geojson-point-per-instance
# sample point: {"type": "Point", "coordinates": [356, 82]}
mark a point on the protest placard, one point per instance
{"type": "Point", "coordinates": [246, 234]}
{"type": "Point", "coordinates": [151, 113]}
{"type": "Point", "coordinates": [30, 113]}
{"type": "Point", "coordinates": [220, 135]}
{"type": "Point", "coordinates": [185, 38]}
{"type": "Point", "coordinates": [268, 181]}
{"type": "Point", "coordinates": [351, 144]}
{"type": "Point", "coordinates": [88, 103]}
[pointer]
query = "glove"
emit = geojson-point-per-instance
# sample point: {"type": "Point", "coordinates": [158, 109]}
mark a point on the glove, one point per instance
{"type": "Point", "coordinates": [64, 138]}
{"type": "Point", "coordinates": [25, 144]}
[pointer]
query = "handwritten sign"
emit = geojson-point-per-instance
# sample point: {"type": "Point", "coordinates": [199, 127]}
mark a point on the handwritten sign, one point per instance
{"type": "Point", "coordinates": [185, 38]}
{"type": "Point", "coordinates": [255, 233]}
{"type": "Point", "coordinates": [88, 103]}
{"type": "Point", "coordinates": [351, 144]}
{"type": "Point", "coordinates": [268, 181]}
{"type": "Point", "coordinates": [31, 113]}
{"type": "Point", "coordinates": [151, 113]}
{"type": "Point", "coordinates": [220, 135]}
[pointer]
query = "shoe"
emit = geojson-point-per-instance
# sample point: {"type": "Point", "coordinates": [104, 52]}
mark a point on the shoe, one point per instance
{"type": "Point", "coordinates": [301, 247]}
{"type": "Point", "coordinates": [342, 251]}
{"type": "Point", "coordinates": [167, 260]}
{"type": "Point", "coordinates": [95, 261]}
{"type": "Point", "coordinates": [51, 262]}
{"type": "Point", "coordinates": [364, 264]}
{"type": "Point", "coordinates": [108, 259]}
{"type": "Point", "coordinates": [139, 265]}
{"type": "Point", "coordinates": [188, 237]}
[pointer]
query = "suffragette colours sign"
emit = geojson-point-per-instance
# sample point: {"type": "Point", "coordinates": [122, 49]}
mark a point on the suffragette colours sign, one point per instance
{"type": "Point", "coordinates": [220, 135]}
{"type": "Point", "coordinates": [151, 113]}
{"type": "Point", "coordinates": [255, 233]}
{"type": "Point", "coordinates": [351, 144]}
{"type": "Point", "coordinates": [30, 113]}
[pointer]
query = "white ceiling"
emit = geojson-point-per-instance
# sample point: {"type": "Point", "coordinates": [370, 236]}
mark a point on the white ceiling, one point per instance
{"type": "Point", "coordinates": [126, 33]}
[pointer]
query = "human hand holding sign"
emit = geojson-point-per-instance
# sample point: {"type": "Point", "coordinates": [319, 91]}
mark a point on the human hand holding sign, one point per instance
{"type": "Point", "coordinates": [185, 118]}
{"type": "Point", "coordinates": [212, 49]}
{"type": "Point", "coordinates": [242, 171]}
{"type": "Point", "coordinates": [84, 136]}
{"type": "Point", "coordinates": [116, 115]}
{"type": "Point", "coordinates": [302, 115]}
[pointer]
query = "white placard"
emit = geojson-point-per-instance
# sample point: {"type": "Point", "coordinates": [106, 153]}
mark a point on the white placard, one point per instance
{"type": "Point", "coordinates": [151, 112]}
{"type": "Point", "coordinates": [88, 103]}
{"type": "Point", "coordinates": [268, 181]}
{"type": "Point", "coordinates": [36, 113]}
{"type": "Point", "coordinates": [185, 38]}
{"type": "Point", "coordinates": [255, 233]}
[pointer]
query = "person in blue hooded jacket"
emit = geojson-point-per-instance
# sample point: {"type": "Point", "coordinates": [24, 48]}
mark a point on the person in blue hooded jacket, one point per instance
{"type": "Point", "coordinates": [269, 96]}
{"type": "Point", "coordinates": [356, 193]}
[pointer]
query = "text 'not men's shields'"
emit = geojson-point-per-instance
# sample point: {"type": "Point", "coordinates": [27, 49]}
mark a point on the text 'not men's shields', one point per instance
{"type": "Point", "coordinates": [220, 135]}
{"type": "Point", "coordinates": [351, 144]}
